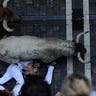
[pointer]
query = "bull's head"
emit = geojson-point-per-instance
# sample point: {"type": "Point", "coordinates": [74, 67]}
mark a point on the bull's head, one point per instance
{"type": "Point", "coordinates": [7, 15]}
{"type": "Point", "coordinates": [79, 48]}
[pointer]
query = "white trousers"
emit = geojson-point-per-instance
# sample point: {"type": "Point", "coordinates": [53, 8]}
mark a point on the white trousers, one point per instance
{"type": "Point", "coordinates": [49, 75]}
{"type": "Point", "coordinates": [13, 72]}
{"type": "Point", "coordinates": [93, 93]}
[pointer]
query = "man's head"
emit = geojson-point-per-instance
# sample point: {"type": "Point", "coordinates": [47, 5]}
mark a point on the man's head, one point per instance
{"type": "Point", "coordinates": [35, 86]}
{"type": "Point", "coordinates": [76, 85]}
{"type": "Point", "coordinates": [33, 68]}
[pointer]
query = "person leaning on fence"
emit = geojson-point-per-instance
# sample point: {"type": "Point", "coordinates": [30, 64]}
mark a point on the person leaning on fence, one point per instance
{"type": "Point", "coordinates": [75, 85]}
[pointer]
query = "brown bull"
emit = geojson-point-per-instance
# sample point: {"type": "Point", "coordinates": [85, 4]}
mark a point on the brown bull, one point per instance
{"type": "Point", "coordinates": [6, 15]}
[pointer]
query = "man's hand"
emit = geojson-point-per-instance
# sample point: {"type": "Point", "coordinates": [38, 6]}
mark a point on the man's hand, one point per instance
{"type": "Point", "coordinates": [58, 93]}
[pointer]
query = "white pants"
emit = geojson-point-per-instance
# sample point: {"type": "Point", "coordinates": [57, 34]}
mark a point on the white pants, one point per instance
{"type": "Point", "coordinates": [93, 93]}
{"type": "Point", "coordinates": [13, 72]}
{"type": "Point", "coordinates": [49, 75]}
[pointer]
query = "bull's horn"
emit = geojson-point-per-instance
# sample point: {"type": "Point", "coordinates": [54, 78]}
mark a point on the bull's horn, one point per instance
{"type": "Point", "coordinates": [79, 35]}
{"type": "Point", "coordinates": [5, 3]}
{"type": "Point", "coordinates": [6, 27]}
{"type": "Point", "coordinates": [80, 59]}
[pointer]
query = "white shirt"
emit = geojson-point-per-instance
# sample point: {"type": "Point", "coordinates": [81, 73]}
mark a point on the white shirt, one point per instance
{"type": "Point", "coordinates": [23, 65]}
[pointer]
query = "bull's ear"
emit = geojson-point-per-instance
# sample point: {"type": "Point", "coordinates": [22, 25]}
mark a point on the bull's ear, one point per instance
{"type": "Point", "coordinates": [80, 48]}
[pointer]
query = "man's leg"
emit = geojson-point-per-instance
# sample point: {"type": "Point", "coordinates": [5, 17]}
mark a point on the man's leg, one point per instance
{"type": "Point", "coordinates": [17, 75]}
{"type": "Point", "coordinates": [6, 77]}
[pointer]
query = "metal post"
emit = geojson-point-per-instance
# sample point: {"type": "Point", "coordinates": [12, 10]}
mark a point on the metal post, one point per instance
{"type": "Point", "coordinates": [69, 33]}
{"type": "Point", "coordinates": [87, 37]}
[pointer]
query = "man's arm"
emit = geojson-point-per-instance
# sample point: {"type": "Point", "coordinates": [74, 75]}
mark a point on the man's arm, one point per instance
{"type": "Point", "coordinates": [49, 75]}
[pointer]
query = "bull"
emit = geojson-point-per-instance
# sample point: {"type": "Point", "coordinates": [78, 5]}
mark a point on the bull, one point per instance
{"type": "Point", "coordinates": [6, 14]}
{"type": "Point", "coordinates": [15, 48]}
